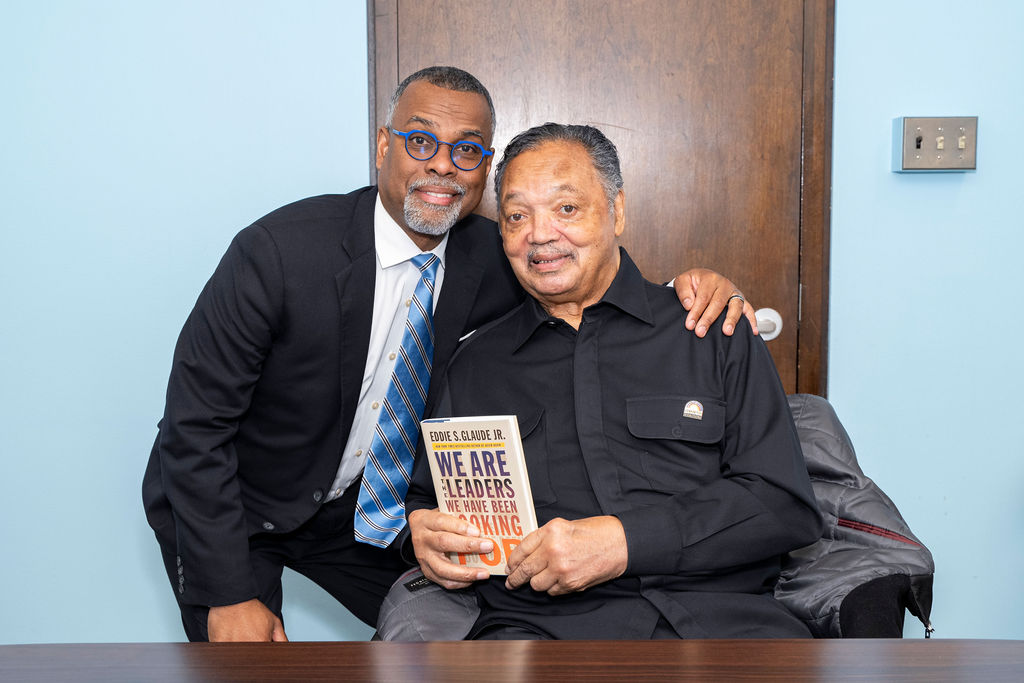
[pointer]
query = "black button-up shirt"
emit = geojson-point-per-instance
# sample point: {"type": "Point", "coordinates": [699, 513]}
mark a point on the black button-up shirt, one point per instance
{"type": "Point", "coordinates": [688, 442]}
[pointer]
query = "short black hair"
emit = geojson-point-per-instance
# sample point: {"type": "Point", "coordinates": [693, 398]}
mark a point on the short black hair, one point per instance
{"type": "Point", "coordinates": [448, 77]}
{"type": "Point", "coordinates": [601, 150]}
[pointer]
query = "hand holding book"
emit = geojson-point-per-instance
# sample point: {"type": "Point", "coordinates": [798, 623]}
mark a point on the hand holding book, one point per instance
{"type": "Point", "coordinates": [435, 535]}
{"type": "Point", "coordinates": [485, 522]}
{"type": "Point", "coordinates": [482, 490]}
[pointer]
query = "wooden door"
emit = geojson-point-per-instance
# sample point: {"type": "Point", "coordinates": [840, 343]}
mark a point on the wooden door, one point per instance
{"type": "Point", "coordinates": [721, 110]}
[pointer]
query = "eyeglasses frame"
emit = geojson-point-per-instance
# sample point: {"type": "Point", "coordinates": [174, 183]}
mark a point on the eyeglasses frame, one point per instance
{"type": "Point", "coordinates": [451, 146]}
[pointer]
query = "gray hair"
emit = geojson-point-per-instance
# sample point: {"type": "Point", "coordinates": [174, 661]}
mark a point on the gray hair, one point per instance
{"type": "Point", "coordinates": [602, 153]}
{"type": "Point", "coordinates": [447, 77]}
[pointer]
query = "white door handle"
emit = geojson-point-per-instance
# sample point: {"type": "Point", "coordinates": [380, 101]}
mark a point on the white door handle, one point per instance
{"type": "Point", "coordinates": [769, 323]}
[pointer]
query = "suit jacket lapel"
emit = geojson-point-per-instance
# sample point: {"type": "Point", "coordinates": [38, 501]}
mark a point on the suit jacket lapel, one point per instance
{"type": "Point", "coordinates": [355, 283]}
{"type": "Point", "coordinates": [462, 278]}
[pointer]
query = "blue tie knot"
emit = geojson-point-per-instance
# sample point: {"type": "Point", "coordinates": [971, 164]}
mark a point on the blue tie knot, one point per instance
{"type": "Point", "coordinates": [427, 264]}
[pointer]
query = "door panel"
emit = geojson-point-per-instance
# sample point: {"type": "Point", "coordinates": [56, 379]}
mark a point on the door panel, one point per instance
{"type": "Point", "coordinates": [707, 103]}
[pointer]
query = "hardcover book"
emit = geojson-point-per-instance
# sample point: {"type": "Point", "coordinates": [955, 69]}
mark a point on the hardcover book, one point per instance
{"type": "Point", "coordinates": [479, 474]}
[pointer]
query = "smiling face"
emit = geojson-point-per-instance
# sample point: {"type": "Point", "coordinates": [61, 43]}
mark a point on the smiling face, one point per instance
{"type": "Point", "coordinates": [428, 197]}
{"type": "Point", "coordinates": [557, 228]}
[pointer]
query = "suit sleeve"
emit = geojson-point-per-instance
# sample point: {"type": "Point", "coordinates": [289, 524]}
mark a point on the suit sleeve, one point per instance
{"type": "Point", "coordinates": [762, 505]}
{"type": "Point", "coordinates": [217, 362]}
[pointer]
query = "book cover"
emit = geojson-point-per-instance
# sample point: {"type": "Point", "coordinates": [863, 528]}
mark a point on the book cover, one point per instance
{"type": "Point", "coordinates": [479, 474]}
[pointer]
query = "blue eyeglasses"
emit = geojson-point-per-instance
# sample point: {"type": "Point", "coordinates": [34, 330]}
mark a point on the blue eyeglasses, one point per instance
{"type": "Point", "coordinates": [422, 145]}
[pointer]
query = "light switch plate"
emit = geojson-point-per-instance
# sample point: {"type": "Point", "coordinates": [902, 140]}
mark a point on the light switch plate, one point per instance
{"type": "Point", "coordinates": [935, 143]}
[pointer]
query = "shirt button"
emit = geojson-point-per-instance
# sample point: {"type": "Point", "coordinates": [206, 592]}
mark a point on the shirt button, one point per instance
{"type": "Point", "coordinates": [408, 302]}
{"type": "Point", "coordinates": [359, 452]}
{"type": "Point", "coordinates": [268, 526]}
{"type": "Point", "coordinates": [392, 356]}
{"type": "Point", "coordinates": [318, 495]}
{"type": "Point", "coordinates": [337, 492]}
{"type": "Point", "coordinates": [375, 405]}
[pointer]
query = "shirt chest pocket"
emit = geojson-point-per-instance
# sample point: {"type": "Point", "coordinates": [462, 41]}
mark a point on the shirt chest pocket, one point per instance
{"type": "Point", "coordinates": [679, 439]}
{"type": "Point", "coordinates": [535, 449]}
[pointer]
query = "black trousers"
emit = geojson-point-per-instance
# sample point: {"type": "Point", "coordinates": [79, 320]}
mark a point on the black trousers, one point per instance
{"type": "Point", "coordinates": [323, 550]}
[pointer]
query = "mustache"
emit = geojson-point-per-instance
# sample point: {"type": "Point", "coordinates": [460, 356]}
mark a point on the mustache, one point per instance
{"type": "Point", "coordinates": [548, 252]}
{"type": "Point", "coordinates": [444, 183]}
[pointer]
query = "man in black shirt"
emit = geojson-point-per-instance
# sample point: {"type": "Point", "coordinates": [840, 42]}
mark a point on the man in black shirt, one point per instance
{"type": "Point", "coordinates": [666, 470]}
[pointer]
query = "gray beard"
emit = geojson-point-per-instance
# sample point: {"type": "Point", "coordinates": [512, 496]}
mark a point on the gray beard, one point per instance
{"type": "Point", "coordinates": [430, 219]}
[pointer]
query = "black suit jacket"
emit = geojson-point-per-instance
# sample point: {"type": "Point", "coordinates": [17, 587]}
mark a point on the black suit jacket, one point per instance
{"type": "Point", "coordinates": [266, 376]}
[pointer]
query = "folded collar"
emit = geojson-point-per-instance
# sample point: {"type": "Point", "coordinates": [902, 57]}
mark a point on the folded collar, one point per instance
{"type": "Point", "coordinates": [627, 292]}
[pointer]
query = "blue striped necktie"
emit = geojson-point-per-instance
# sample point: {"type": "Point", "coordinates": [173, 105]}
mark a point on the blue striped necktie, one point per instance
{"type": "Point", "coordinates": [380, 511]}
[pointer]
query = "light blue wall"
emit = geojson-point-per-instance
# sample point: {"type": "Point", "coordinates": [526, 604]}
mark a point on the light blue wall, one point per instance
{"type": "Point", "coordinates": [925, 366]}
{"type": "Point", "coordinates": [138, 137]}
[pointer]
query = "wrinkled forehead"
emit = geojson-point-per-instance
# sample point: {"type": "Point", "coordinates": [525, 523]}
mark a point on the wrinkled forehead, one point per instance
{"type": "Point", "coordinates": [551, 168]}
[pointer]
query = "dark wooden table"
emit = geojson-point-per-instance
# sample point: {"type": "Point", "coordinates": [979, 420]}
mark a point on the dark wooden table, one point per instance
{"type": "Point", "coordinates": [527, 661]}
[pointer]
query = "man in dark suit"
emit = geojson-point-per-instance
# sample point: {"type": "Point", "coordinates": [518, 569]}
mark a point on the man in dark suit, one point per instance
{"type": "Point", "coordinates": [278, 376]}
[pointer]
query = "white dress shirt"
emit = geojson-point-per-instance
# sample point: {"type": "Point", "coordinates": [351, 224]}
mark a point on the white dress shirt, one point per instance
{"type": "Point", "coordinates": [395, 283]}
